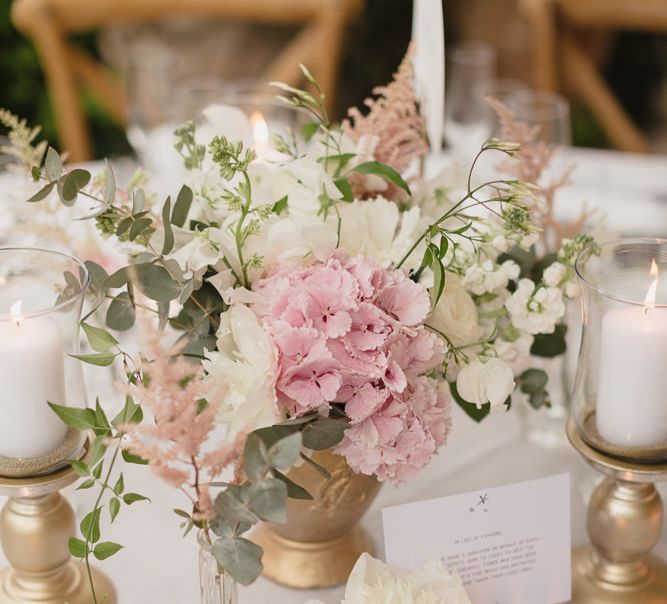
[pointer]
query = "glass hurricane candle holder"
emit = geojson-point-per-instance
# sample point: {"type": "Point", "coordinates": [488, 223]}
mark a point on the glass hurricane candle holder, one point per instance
{"type": "Point", "coordinates": [620, 392]}
{"type": "Point", "coordinates": [41, 297]}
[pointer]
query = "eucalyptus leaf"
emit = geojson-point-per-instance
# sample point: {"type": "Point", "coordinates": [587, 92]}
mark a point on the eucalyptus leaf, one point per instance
{"type": "Point", "coordinates": [255, 457]}
{"type": "Point", "coordinates": [272, 434]}
{"type": "Point", "coordinates": [241, 558]}
{"type": "Point", "coordinates": [532, 381]}
{"type": "Point", "coordinates": [156, 283]}
{"type": "Point", "coordinates": [168, 244]}
{"type": "Point", "coordinates": [121, 313]}
{"type": "Point", "coordinates": [550, 344]}
{"type": "Point", "coordinates": [119, 279]}
{"type": "Point", "coordinates": [231, 504]}
{"type": "Point", "coordinates": [268, 499]}
{"type": "Point", "coordinates": [139, 226]}
{"type": "Point", "coordinates": [53, 164]}
{"type": "Point", "coordinates": [294, 491]}
{"type": "Point", "coordinates": [182, 206]}
{"type": "Point", "coordinates": [73, 182]}
{"type": "Point", "coordinates": [323, 434]}
{"type": "Point", "coordinates": [43, 193]}
{"type": "Point", "coordinates": [285, 452]}
{"type": "Point", "coordinates": [110, 184]}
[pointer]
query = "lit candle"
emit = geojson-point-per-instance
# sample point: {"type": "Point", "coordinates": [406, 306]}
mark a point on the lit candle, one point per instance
{"type": "Point", "coordinates": [632, 391]}
{"type": "Point", "coordinates": [262, 139]}
{"type": "Point", "coordinates": [31, 374]}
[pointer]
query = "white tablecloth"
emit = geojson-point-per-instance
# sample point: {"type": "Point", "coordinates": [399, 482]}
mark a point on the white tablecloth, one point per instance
{"type": "Point", "coordinates": [159, 566]}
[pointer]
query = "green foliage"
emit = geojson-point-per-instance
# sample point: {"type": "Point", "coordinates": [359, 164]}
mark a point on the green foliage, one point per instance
{"type": "Point", "coordinates": [550, 344]}
{"type": "Point", "coordinates": [474, 412]}
{"type": "Point", "coordinates": [533, 382]}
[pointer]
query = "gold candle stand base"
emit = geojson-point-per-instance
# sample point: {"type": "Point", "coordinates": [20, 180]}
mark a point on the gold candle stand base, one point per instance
{"type": "Point", "coordinates": [624, 522]}
{"type": "Point", "coordinates": [35, 526]}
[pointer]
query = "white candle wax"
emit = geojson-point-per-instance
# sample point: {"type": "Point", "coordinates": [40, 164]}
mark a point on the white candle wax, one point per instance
{"type": "Point", "coordinates": [632, 391]}
{"type": "Point", "coordinates": [31, 374]}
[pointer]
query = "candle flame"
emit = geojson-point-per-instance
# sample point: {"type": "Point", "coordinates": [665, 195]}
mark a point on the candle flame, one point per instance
{"type": "Point", "coordinates": [15, 312]}
{"type": "Point", "coordinates": [260, 130]}
{"type": "Point", "coordinates": [653, 288]}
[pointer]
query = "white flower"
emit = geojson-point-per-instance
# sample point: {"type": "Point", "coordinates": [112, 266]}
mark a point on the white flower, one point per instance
{"type": "Point", "coordinates": [554, 274]}
{"type": "Point", "coordinates": [195, 256]}
{"type": "Point", "coordinates": [500, 243]}
{"type": "Point", "coordinates": [535, 311]}
{"type": "Point", "coordinates": [378, 230]}
{"type": "Point", "coordinates": [455, 314]}
{"type": "Point", "coordinates": [488, 277]}
{"type": "Point", "coordinates": [489, 382]}
{"type": "Point", "coordinates": [529, 240]}
{"type": "Point", "coordinates": [571, 289]}
{"type": "Point", "coordinates": [228, 121]}
{"type": "Point", "coordinates": [373, 582]}
{"type": "Point", "coordinates": [243, 372]}
{"type": "Point", "coordinates": [515, 353]}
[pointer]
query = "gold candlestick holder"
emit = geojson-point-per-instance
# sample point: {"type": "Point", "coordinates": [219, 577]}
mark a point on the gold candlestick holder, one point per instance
{"type": "Point", "coordinates": [35, 526]}
{"type": "Point", "coordinates": [624, 522]}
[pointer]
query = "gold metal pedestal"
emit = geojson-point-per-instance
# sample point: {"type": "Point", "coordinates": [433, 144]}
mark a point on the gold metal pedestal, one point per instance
{"type": "Point", "coordinates": [35, 526]}
{"type": "Point", "coordinates": [624, 522]}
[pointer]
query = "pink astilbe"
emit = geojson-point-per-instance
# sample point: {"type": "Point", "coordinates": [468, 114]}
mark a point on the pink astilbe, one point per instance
{"type": "Point", "coordinates": [535, 160]}
{"type": "Point", "coordinates": [392, 132]}
{"type": "Point", "coordinates": [176, 439]}
{"type": "Point", "coordinates": [350, 333]}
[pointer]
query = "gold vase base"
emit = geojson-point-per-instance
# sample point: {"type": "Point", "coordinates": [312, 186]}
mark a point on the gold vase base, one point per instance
{"type": "Point", "coordinates": [588, 588]}
{"type": "Point", "coordinates": [71, 588]}
{"type": "Point", "coordinates": [310, 565]}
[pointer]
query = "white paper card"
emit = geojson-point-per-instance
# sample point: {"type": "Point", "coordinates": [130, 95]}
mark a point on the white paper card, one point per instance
{"type": "Point", "coordinates": [510, 544]}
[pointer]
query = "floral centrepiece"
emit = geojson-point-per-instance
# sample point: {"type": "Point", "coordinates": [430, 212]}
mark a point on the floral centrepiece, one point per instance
{"type": "Point", "coordinates": [320, 300]}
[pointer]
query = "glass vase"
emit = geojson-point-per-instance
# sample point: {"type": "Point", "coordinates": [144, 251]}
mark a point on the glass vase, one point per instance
{"type": "Point", "coordinates": [217, 586]}
{"type": "Point", "coordinates": [620, 393]}
{"type": "Point", "coordinates": [41, 297]}
{"type": "Point", "coordinates": [545, 427]}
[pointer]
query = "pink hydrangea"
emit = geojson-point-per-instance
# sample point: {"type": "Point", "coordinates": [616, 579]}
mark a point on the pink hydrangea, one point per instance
{"type": "Point", "coordinates": [350, 332]}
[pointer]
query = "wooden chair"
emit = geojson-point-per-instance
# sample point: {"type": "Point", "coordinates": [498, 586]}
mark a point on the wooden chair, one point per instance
{"type": "Point", "coordinates": [49, 23]}
{"type": "Point", "coordinates": [560, 29]}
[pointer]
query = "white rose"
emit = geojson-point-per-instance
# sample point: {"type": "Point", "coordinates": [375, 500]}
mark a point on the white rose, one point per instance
{"type": "Point", "coordinates": [481, 383]}
{"type": "Point", "coordinates": [455, 315]}
{"type": "Point", "coordinates": [554, 274]}
{"type": "Point", "coordinates": [242, 372]}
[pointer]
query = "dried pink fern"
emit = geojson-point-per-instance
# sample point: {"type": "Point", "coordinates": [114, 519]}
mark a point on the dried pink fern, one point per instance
{"type": "Point", "coordinates": [534, 160]}
{"type": "Point", "coordinates": [176, 439]}
{"type": "Point", "coordinates": [393, 122]}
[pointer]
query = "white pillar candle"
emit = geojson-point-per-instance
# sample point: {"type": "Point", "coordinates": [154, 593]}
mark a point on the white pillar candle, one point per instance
{"type": "Point", "coordinates": [31, 374]}
{"type": "Point", "coordinates": [632, 390]}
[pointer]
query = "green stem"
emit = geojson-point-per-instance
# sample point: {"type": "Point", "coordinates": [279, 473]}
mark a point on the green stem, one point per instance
{"type": "Point", "coordinates": [95, 508]}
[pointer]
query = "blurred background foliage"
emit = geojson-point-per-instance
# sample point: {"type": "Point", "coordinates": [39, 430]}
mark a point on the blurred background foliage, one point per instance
{"type": "Point", "coordinates": [635, 67]}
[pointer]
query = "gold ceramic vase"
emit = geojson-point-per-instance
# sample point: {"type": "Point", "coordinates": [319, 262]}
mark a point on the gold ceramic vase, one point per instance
{"type": "Point", "coordinates": [322, 539]}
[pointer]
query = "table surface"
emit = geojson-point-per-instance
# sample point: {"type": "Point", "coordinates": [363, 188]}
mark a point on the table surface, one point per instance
{"type": "Point", "coordinates": [158, 565]}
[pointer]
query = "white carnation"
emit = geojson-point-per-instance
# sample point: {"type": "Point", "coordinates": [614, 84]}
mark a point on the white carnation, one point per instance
{"type": "Point", "coordinates": [489, 382]}
{"type": "Point", "coordinates": [535, 311]}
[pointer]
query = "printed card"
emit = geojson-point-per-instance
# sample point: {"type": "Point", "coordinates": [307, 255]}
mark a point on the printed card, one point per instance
{"type": "Point", "coordinates": [510, 544]}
